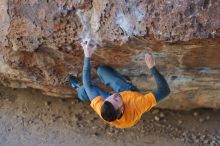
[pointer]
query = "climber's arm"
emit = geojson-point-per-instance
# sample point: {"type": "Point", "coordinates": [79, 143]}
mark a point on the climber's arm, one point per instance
{"type": "Point", "coordinates": [163, 89]}
{"type": "Point", "coordinates": [86, 77]}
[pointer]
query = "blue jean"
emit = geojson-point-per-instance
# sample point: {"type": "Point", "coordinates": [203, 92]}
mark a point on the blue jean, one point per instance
{"type": "Point", "coordinates": [111, 78]}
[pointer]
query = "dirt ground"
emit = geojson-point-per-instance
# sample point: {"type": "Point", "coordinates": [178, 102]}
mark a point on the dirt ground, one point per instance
{"type": "Point", "coordinates": [28, 118]}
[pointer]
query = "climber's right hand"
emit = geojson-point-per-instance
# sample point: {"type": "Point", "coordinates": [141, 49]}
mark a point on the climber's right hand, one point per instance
{"type": "Point", "coordinates": [88, 48]}
{"type": "Point", "coordinates": [149, 60]}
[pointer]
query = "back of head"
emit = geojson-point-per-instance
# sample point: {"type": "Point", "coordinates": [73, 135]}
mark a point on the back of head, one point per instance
{"type": "Point", "coordinates": [108, 112]}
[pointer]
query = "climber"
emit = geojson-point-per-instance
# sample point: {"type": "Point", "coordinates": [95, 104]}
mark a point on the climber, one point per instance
{"type": "Point", "coordinates": [124, 107]}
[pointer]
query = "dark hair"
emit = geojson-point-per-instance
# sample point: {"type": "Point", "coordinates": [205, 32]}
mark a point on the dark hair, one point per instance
{"type": "Point", "coordinates": [108, 112]}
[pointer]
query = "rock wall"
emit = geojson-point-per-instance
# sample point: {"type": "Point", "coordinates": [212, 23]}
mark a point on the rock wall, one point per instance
{"type": "Point", "coordinates": [40, 44]}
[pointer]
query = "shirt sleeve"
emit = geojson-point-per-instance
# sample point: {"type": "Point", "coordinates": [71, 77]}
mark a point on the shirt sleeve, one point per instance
{"type": "Point", "coordinates": [163, 89]}
{"type": "Point", "coordinates": [86, 78]}
{"type": "Point", "coordinates": [145, 103]}
{"type": "Point", "coordinates": [96, 104]}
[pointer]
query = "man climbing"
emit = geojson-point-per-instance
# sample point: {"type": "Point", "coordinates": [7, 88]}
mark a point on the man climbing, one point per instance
{"type": "Point", "coordinates": [125, 106]}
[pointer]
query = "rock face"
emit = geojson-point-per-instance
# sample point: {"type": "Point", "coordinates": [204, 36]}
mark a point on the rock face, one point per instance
{"type": "Point", "coordinates": [40, 44]}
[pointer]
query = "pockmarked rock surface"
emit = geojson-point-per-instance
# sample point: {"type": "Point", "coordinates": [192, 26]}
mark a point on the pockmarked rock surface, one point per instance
{"type": "Point", "coordinates": [40, 44]}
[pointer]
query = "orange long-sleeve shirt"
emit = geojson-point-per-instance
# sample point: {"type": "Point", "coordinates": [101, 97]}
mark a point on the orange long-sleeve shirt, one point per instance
{"type": "Point", "coordinates": [135, 104]}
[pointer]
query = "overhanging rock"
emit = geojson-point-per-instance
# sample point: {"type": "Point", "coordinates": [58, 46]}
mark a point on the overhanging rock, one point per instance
{"type": "Point", "coordinates": [40, 44]}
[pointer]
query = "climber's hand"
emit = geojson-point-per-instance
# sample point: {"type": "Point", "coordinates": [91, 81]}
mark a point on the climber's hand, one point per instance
{"type": "Point", "coordinates": [88, 48]}
{"type": "Point", "coordinates": [149, 60]}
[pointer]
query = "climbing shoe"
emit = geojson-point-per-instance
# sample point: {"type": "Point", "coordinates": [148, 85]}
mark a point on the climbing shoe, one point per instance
{"type": "Point", "coordinates": [72, 81]}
